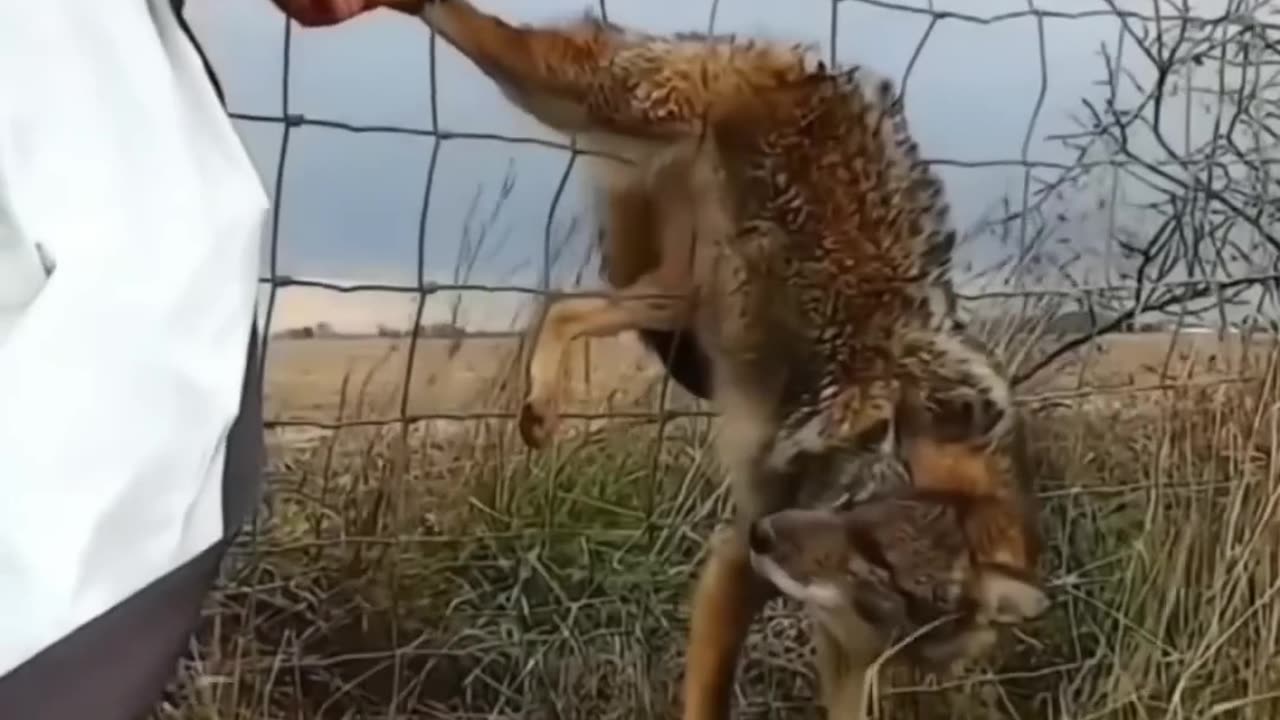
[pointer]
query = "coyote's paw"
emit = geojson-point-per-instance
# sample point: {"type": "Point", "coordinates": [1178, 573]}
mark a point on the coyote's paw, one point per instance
{"type": "Point", "coordinates": [537, 422]}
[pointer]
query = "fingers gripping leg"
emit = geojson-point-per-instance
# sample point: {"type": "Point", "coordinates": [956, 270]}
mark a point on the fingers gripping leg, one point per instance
{"type": "Point", "coordinates": [728, 596]}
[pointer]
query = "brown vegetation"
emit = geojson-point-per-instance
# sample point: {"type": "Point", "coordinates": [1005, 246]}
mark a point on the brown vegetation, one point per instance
{"type": "Point", "coordinates": [438, 570]}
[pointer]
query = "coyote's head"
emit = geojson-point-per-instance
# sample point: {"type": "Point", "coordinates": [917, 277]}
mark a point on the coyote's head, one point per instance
{"type": "Point", "coordinates": [900, 562]}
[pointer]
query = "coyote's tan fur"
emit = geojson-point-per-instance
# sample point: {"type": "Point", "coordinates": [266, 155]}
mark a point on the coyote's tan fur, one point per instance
{"type": "Point", "coordinates": [782, 211]}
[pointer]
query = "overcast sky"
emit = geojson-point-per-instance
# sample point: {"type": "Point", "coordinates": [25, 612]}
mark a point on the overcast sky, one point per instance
{"type": "Point", "coordinates": [352, 202]}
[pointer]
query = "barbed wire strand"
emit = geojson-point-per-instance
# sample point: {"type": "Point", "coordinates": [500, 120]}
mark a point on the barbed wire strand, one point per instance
{"type": "Point", "coordinates": [273, 264]}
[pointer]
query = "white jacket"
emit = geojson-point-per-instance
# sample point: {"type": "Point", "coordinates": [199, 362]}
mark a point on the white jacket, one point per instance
{"type": "Point", "coordinates": [121, 372]}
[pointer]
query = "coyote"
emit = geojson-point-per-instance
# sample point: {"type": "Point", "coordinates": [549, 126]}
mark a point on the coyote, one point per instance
{"type": "Point", "coordinates": [779, 212]}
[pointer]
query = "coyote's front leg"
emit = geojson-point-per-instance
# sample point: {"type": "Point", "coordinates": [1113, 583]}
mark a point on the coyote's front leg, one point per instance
{"type": "Point", "coordinates": [847, 647]}
{"type": "Point", "coordinates": [727, 597]}
{"type": "Point", "coordinates": [655, 301]}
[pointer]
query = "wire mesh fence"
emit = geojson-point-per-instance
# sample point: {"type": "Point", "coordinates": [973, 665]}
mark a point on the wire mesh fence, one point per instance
{"type": "Point", "coordinates": [413, 560]}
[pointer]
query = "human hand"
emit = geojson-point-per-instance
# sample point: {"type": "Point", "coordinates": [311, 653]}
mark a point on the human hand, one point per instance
{"type": "Point", "coordinates": [320, 13]}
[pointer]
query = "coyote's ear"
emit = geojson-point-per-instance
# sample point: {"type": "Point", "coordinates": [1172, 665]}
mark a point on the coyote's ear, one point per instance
{"type": "Point", "coordinates": [1007, 597]}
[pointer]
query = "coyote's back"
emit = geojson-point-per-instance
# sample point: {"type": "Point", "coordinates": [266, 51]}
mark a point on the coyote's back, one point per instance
{"type": "Point", "coordinates": [837, 212]}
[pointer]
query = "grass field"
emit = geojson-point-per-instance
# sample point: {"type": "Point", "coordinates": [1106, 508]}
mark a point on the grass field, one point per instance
{"type": "Point", "coordinates": [437, 569]}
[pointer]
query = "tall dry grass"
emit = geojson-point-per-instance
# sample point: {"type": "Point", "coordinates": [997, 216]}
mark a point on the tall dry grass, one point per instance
{"type": "Point", "coordinates": [424, 571]}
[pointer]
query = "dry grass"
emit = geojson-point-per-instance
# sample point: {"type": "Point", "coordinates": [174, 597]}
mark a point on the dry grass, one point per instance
{"type": "Point", "coordinates": [467, 377]}
{"type": "Point", "coordinates": [440, 570]}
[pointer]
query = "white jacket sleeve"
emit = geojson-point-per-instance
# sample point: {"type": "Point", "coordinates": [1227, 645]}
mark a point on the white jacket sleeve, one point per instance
{"type": "Point", "coordinates": [121, 373]}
